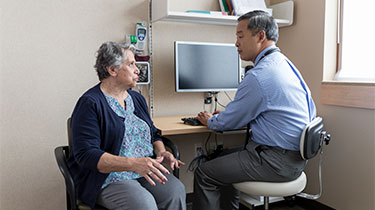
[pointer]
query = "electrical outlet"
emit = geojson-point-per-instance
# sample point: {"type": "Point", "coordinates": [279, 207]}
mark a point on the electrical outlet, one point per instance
{"type": "Point", "coordinates": [198, 150]}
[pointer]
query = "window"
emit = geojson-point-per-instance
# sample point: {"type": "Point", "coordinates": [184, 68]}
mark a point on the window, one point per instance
{"type": "Point", "coordinates": [356, 44]}
{"type": "Point", "coordinates": [354, 83]}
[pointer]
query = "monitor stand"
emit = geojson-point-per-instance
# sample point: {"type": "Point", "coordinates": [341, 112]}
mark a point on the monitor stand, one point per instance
{"type": "Point", "coordinates": [209, 95]}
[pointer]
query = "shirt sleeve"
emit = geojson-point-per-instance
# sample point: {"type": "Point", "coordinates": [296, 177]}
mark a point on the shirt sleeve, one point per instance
{"type": "Point", "coordinates": [154, 134]}
{"type": "Point", "coordinates": [86, 134]}
{"type": "Point", "coordinates": [248, 103]}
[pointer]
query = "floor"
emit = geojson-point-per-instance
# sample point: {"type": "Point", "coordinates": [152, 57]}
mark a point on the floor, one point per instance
{"type": "Point", "coordinates": [282, 205]}
{"type": "Point", "coordinates": [299, 204]}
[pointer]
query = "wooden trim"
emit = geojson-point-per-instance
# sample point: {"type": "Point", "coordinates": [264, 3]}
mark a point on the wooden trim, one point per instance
{"type": "Point", "coordinates": [340, 8]}
{"type": "Point", "coordinates": [359, 95]}
{"type": "Point", "coordinates": [338, 58]}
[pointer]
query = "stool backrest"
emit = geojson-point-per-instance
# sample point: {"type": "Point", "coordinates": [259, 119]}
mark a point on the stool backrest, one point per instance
{"type": "Point", "coordinates": [311, 139]}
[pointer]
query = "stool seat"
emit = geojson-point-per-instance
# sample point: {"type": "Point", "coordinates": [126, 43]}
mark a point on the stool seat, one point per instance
{"type": "Point", "coordinates": [273, 189]}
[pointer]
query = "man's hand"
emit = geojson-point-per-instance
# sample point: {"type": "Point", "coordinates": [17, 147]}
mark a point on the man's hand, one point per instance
{"type": "Point", "coordinates": [203, 117]}
{"type": "Point", "coordinates": [216, 112]}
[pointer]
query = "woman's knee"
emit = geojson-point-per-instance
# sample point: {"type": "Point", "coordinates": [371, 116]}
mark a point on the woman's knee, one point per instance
{"type": "Point", "coordinates": [144, 202]}
{"type": "Point", "coordinates": [177, 189]}
{"type": "Point", "coordinates": [177, 196]}
{"type": "Point", "coordinates": [180, 190]}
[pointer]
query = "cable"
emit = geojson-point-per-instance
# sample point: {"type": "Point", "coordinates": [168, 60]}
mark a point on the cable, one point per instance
{"type": "Point", "coordinates": [217, 102]}
{"type": "Point", "coordinates": [228, 95]}
{"type": "Point", "coordinates": [206, 142]}
{"type": "Point", "coordinates": [204, 107]}
{"type": "Point", "coordinates": [196, 162]}
{"type": "Point", "coordinates": [221, 104]}
{"type": "Point", "coordinates": [199, 159]}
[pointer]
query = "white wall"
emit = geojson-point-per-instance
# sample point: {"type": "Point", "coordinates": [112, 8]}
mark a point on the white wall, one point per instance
{"type": "Point", "coordinates": [47, 57]}
{"type": "Point", "coordinates": [47, 51]}
{"type": "Point", "coordinates": [349, 161]}
{"type": "Point", "coordinates": [166, 100]}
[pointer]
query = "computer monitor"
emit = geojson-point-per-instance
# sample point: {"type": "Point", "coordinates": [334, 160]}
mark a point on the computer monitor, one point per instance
{"type": "Point", "coordinates": [206, 67]}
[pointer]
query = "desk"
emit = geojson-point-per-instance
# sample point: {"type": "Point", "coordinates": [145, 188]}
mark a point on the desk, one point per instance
{"type": "Point", "coordinates": [173, 125]}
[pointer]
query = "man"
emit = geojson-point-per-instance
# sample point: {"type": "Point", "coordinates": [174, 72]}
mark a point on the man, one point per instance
{"type": "Point", "coordinates": [275, 101]}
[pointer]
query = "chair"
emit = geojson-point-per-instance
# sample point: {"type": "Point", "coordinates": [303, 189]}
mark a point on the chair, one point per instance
{"type": "Point", "coordinates": [62, 154]}
{"type": "Point", "coordinates": [311, 143]}
{"type": "Point", "coordinates": [72, 202]}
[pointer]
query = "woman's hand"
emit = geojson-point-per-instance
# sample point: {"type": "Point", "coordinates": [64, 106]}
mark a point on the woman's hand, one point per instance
{"type": "Point", "coordinates": [167, 156]}
{"type": "Point", "coordinates": [150, 168]}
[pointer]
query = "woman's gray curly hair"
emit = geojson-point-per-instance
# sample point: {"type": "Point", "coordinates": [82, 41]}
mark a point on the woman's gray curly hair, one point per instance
{"type": "Point", "coordinates": [112, 55]}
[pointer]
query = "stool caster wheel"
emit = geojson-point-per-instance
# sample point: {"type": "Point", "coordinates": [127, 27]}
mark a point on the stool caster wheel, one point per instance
{"type": "Point", "coordinates": [290, 200]}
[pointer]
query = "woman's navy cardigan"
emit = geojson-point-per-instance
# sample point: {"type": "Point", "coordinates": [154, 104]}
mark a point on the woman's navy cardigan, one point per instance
{"type": "Point", "coordinates": [96, 129]}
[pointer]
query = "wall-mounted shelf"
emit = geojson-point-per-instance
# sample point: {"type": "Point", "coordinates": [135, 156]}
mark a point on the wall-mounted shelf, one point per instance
{"type": "Point", "coordinates": [160, 11]}
{"type": "Point", "coordinates": [282, 12]}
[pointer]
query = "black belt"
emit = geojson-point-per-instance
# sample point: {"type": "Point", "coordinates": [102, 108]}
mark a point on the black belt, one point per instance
{"type": "Point", "coordinates": [265, 147]}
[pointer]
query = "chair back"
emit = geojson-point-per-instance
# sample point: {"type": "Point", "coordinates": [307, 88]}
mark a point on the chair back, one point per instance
{"type": "Point", "coordinates": [69, 131]}
{"type": "Point", "coordinates": [312, 139]}
{"type": "Point", "coordinates": [61, 154]}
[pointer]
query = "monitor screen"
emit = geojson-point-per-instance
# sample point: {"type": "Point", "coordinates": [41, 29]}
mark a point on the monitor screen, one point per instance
{"type": "Point", "coordinates": [206, 67]}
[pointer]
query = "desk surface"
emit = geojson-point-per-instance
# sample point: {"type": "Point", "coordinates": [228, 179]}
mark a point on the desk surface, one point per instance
{"type": "Point", "coordinates": [173, 125]}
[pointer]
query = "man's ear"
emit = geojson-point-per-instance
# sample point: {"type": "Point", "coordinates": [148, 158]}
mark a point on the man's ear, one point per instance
{"type": "Point", "coordinates": [262, 36]}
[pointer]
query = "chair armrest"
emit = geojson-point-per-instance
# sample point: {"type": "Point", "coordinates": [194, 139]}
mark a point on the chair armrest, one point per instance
{"type": "Point", "coordinates": [176, 153]}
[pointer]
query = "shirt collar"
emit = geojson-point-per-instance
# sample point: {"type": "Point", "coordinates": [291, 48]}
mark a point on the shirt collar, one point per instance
{"type": "Point", "coordinates": [262, 53]}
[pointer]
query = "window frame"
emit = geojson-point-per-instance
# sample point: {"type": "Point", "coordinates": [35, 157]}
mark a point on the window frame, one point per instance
{"type": "Point", "coordinates": [341, 93]}
{"type": "Point", "coordinates": [340, 11]}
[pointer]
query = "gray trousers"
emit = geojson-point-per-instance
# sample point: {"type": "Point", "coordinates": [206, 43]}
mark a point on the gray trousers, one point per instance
{"type": "Point", "coordinates": [141, 195]}
{"type": "Point", "coordinates": [213, 179]}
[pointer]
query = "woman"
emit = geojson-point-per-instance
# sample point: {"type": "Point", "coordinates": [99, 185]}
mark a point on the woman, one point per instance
{"type": "Point", "coordinates": [114, 138]}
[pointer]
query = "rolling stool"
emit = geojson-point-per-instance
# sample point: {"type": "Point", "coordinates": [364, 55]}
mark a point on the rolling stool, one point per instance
{"type": "Point", "coordinates": [311, 143]}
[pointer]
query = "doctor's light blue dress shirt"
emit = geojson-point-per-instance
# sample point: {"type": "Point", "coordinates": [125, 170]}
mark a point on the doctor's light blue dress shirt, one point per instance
{"type": "Point", "coordinates": [274, 98]}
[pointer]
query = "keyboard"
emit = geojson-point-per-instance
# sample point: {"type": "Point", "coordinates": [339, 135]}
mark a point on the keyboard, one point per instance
{"type": "Point", "coordinates": [191, 121]}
